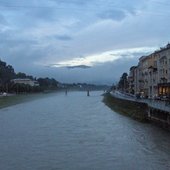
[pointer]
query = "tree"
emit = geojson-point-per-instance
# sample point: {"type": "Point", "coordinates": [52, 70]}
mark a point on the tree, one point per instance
{"type": "Point", "coordinates": [47, 83]}
{"type": "Point", "coordinates": [6, 74]}
{"type": "Point", "coordinates": [123, 82]}
{"type": "Point", "coordinates": [24, 76]}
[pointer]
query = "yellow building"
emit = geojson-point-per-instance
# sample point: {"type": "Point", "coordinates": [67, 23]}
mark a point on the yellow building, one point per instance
{"type": "Point", "coordinates": [151, 78]}
{"type": "Point", "coordinates": [148, 75]}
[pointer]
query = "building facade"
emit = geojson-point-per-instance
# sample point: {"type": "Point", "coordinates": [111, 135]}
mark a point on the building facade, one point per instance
{"type": "Point", "coordinates": [151, 77]}
{"type": "Point", "coordinates": [164, 71]}
{"type": "Point", "coordinates": [132, 80]}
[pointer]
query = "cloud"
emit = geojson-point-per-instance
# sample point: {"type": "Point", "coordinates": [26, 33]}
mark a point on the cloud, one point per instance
{"type": "Point", "coordinates": [105, 57]}
{"type": "Point", "coordinates": [117, 15]}
{"type": "Point", "coordinates": [59, 31]}
{"type": "Point", "coordinates": [3, 24]}
{"type": "Point", "coordinates": [2, 19]}
{"type": "Point", "coordinates": [74, 2]}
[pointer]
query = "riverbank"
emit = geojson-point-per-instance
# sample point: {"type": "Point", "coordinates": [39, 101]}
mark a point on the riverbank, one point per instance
{"type": "Point", "coordinates": [135, 110]}
{"type": "Point", "coordinates": [6, 101]}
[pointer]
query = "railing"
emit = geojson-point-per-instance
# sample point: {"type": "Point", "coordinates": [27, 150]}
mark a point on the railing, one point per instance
{"type": "Point", "coordinates": [161, 105]}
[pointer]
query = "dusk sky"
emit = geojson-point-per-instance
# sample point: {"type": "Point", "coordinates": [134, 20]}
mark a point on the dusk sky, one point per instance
{"type": "Point", "coordinates": [91, 41]}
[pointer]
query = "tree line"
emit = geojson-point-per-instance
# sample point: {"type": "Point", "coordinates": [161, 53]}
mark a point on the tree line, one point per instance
{"type": "Point", "coordinates": [7, 73]}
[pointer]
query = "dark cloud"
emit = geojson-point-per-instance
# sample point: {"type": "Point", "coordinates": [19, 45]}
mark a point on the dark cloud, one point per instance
{"type": "Point", "coordinates": [63, 37]}
{"type": "Point", "coordinates": [74, 2]}
{"type": "Point", "coordinates": [79, 66]}
{"type": "Point", "coordinates": [2, 20]}
{"type": "Point", "coordinates": [42, 14]}
{"type": "Point", "coordinates": [118, 10]}
{"type": "Point", "coordinates": [10, 41]}
{"type": "Point", "coordinates": [133, 5]}
{"type": "Point", "coordinates": [69, 67]}
{"type": "Point", "coordinates": [135, 54]}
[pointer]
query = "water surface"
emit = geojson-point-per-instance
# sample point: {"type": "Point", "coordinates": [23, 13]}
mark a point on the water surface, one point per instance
{"type": "Point", "coordinates": [76, 132]}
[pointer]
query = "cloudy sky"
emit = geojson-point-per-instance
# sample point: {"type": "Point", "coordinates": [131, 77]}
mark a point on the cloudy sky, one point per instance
{"type": "Point", "coordinates": [92, 41]}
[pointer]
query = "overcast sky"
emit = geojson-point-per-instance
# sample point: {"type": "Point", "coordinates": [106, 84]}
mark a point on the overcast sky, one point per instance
{"type": "Point", "coordinates": [92, 41]}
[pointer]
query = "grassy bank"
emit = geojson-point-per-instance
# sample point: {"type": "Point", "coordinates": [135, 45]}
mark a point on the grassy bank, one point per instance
{"type": "Point", "coordinates": [135, 110]}
{"type": "Point", "coordinates": [16, 99]}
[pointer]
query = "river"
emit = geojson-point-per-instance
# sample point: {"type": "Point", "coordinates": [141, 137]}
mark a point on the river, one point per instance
{"type": "Point", "coordinates": [76, 132]}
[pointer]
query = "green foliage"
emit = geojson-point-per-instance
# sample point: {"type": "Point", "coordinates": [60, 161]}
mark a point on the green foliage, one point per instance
{"type": "Point", "coordinates": [23, 75]}
{"type": "Point", "coordinates": [6, 73]}
{"type": "Point", "coordinates": [47, 83]}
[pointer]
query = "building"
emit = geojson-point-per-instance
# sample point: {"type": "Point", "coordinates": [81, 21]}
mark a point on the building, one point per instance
{"type": "Point", "coordinates": [131, 80]}
{"type": "Point", "coordinates": [30, 82]}
{"type": "Point", "coordinates": [164, 72]}
{"type": "Point", "coordinates": [136, 80]}
{"type": "Point", "coordinates": [143, 75]}
{"type": "Point", "coordinates": [146, 76]}
{"type": "Point", "coordinates": [151, 77]}
{"type": "Point", "coordinates": [143, 79]}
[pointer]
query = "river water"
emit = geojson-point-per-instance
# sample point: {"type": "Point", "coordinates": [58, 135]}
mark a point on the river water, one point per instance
{"type": "Point", "coordinates": [76, 132]}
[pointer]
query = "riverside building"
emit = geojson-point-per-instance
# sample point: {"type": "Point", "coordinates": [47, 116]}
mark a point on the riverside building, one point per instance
{"type": "Point", "coordinates": [151, 77]}
{"type": "Point", "coordinates": [164, 71]}
{"type": "Point", "coordinates": [25, 81]}
{"type": "Point", "coordinates": [132, 80]}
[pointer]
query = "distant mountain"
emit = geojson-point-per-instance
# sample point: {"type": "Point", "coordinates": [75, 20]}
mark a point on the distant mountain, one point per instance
{"type": "Point", "coordinates": [84, 86]}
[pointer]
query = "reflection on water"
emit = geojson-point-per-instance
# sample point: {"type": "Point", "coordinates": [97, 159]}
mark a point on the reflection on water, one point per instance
{"type": "Point", "coordinates": [76, 132]}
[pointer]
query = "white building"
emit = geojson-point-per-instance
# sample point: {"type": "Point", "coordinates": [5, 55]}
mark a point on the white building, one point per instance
{"type": "Point", "coordinates": [30, 82]}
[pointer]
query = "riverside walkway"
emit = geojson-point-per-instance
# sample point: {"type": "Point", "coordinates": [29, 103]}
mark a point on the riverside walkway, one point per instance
{"type": "Point", "coordinates": [156, 104]}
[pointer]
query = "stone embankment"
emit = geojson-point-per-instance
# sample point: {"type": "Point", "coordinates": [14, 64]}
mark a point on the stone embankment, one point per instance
{"type": "Point", "coordinates": [135, 110]}
{"type": "Point", "coordinates": [140, 109]}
